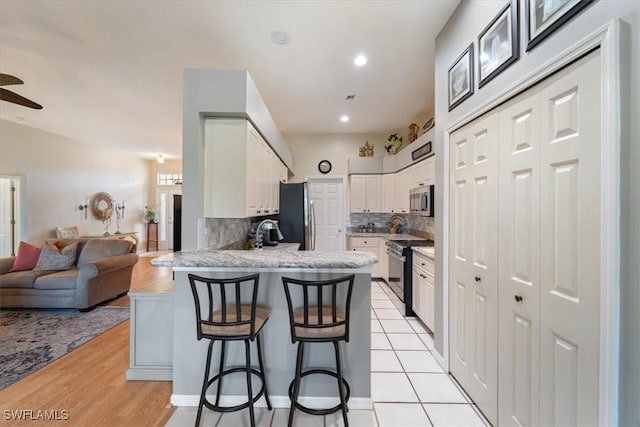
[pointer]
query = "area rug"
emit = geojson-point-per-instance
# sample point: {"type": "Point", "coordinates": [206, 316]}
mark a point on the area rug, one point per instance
{"type": "Point", "coordinates": [32, 338]}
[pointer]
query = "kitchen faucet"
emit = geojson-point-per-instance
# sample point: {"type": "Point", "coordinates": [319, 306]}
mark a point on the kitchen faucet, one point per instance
{"type": "Point", "coordinates": [260, 233]}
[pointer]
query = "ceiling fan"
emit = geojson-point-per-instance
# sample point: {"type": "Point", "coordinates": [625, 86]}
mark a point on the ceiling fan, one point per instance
{"type": "Point", "coordinates": [7, 95]}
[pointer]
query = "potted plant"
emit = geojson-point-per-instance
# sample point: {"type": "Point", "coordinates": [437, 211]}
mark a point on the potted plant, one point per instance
{"type": "Point", "coordinates": [394, 141]}
{"type": "Point", "coordinates": [151, 214]}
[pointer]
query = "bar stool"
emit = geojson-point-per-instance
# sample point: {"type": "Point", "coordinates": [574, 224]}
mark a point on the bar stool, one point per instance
{"type": "Point", "coordinates": [320, 319]}
{"type": "Point", "coordinates": [232, 321]}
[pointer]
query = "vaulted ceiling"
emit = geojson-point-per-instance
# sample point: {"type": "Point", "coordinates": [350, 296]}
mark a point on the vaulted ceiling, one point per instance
{"type": "Point", "coordinates": [110, 72]}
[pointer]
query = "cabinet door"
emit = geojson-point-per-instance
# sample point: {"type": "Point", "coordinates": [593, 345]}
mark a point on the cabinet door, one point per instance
{"type": "Point", "coordinates": [384, 260]}
{"type": "Point", "coordinates": [358, 193]}
{"type": "Point", "coordinates": [403, 185]}
{"type": "Point", "coordinates": [389, 193]}
{"type": "Point", "coordinates": [429, 301]}
{"type": "Point", "coordinates": [374, 193]}
{"type": "Point", "coordinates": [474, 261]}
{"type": "Point", "coordinates": [254, 186]}
{"type": "Point", "coordinates": [264, 208]}
{"type": "Point", "coordinates": [418, 292]}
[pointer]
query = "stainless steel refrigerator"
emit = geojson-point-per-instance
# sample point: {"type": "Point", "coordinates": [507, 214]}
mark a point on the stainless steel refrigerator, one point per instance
{"type": "Point", "coordinates": [297, 216]}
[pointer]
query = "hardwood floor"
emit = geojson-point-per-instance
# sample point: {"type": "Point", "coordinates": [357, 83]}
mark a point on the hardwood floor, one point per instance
{"type": "Point", "coordinates": [87, 387]}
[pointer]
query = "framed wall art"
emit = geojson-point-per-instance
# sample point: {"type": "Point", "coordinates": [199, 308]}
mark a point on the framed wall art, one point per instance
{"type": "Point", "coordinates": [498, 44]}
{"type": "Point", "coordinates": [543, 17]}
{"type": "Point", "coordinates": [461, 78]}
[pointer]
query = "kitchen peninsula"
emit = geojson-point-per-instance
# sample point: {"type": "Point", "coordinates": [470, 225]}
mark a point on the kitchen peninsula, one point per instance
{"type": "Point", "coordinates": [279, 354]}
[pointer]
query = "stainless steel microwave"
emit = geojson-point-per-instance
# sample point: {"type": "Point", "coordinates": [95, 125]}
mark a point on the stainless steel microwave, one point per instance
{"type": "Point", "coordinates": [421, 200]}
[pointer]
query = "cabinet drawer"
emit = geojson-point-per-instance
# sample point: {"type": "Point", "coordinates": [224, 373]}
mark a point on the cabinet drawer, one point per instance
{"type": "Point", "coordinates": [364, 241]}
{"type": "Point", "coordinates": [423, 263]}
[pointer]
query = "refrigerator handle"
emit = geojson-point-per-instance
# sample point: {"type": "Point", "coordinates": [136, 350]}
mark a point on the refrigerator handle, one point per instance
{"type": "Point", "coordinates": [313, 225]}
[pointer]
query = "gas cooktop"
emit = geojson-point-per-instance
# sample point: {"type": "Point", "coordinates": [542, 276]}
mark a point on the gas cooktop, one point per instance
{"type": "Point", "coordinates": [410, 243]}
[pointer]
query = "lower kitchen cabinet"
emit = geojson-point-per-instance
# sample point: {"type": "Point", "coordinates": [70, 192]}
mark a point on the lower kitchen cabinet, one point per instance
{"type": "Point", "coordinates": [367, 244]}
{"type": "Point", "coordinates": [423, 289]}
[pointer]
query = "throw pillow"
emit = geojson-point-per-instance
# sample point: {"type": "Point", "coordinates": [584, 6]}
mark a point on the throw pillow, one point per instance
{"type": "Point", "coordinates": [27, 257]}
{"type": "Point", "coordinates": [54, 258]}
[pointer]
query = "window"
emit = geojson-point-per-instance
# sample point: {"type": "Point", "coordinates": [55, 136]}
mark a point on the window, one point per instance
{"type": "Point", "coordinates": [169, 179]}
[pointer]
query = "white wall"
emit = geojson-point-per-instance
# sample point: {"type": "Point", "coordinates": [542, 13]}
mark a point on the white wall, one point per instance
{"type": "Point", "coordinates": [309, 149]}
{"type": "Point", "coordinates": [465, 25]}
{"type": "Point", "coordinates": [60, 173]}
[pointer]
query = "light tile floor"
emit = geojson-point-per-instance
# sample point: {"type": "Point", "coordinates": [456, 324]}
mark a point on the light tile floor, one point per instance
{"type": "Point", "coordinates": [408, 386]}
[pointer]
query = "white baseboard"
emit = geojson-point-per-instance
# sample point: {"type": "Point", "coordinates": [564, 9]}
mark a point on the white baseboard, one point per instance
{"type": "Point", "coordinates": [356, 403]}
{"type": "Point", "coordinates": [141, 374]}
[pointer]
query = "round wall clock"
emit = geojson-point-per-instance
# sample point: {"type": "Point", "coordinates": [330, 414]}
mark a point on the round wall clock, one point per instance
{"type": "Point", "coordinates": [324, 166]}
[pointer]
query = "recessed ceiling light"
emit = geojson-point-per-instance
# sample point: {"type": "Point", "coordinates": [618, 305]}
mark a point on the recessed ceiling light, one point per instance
{"type": "Point", "coordinates": [344, 118]}
{"type": "Point", "coordinates": [280, 37]}
{"type": "Point", "coordinates": [360, 60]}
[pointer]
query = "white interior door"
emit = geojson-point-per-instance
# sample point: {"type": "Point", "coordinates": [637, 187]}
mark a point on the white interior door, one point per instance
{"type": "Point", "coordinates": [519, 278]}
{"type": "Point", "coordinates": [8, 230]}
{"type": "Point", "coordinates": [474, 245]}
{"type": "Point", "coordinates": [570, 256]}
{"type": "Point", "coordinates": [165, 225]}
{"type": "Point", "coordinates": [328, 199]}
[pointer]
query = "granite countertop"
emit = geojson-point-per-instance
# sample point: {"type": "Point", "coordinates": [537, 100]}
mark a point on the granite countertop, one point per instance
{"type": "Point", "coordinates": [428, 251]}
{"type": "Point", "coordinates": [280, 247]}
{"type": "Point", "coordinates": [272, 259]}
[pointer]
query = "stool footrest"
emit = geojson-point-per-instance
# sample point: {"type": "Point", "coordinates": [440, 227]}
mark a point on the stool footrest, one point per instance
{"type": "Point", "coordinates": [240, 406]}
{"type": "Point", "coordinates": [315, 411]}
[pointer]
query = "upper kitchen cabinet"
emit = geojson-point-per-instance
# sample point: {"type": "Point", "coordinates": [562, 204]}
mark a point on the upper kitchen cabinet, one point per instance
{"type": "Point", "coordinates": [241, 171]}
{"type": "Point", "coordinates": [423, 172]}
{"type": "Point", "coordinates": [366, 193]}
{"type": "Point", "coordinates": [389, 193]}
{"type": "Point", "coordinates": [404, 183]}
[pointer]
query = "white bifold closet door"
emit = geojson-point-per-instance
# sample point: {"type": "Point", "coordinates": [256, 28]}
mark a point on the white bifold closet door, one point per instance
{"type": "Point", "coordinates": [536, 254]}
{"type": "Point", "coordinates": [474, 278]}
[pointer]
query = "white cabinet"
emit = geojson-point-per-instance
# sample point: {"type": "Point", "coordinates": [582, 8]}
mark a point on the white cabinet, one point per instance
{"type": "Point", "coordinates": [423, 289]}
{"type": "Point", "coordinates": [403, 185]}
{"type": "Point", "coordinates": [383, 258]}
{"type": "Point", "coordinates": [241, 172]}
{"type": "Point", "coordinates": [423, 173]}
{"type": "Point", "coordinates": [365, 193]}
{"type": "Point", "coordinates": [389, 191]}
{"type": "Point", "coordinates": [367, 244]}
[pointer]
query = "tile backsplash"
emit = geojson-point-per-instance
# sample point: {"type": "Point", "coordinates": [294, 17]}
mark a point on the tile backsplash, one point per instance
{"type": "Point", "coordinates": [218, 233]}
{"type": "Point", "coordinates": [413, 224]}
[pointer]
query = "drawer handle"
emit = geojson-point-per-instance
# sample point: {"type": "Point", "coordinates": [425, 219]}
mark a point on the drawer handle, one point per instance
{"type": "Point", "coordinates": [422, 263]}
{"type": "Point", "coordinates": [478, 279]}
{"type": "Point", "coordinates": [518, 298]}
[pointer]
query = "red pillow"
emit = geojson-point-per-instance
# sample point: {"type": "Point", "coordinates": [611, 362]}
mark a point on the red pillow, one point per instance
{"type": "Point", "coordinates": [27, 257]}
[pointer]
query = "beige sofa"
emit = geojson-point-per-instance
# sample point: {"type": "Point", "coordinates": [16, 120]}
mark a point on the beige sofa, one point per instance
{"type": "Point", "coordinates": [102, 271]}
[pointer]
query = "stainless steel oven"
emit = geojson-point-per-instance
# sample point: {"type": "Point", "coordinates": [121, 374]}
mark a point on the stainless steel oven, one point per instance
{"type": "Point", "coordinates": [400, 266]}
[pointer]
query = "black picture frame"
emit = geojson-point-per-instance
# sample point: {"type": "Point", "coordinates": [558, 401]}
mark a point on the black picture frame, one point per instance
{"type": "Point", "coordinates": [422, 151]}
{"type": "Point", "coordinates": [499, 43]}
{"type": "Point", "coordinates": [545, 17]}
{"type": "Point", "coordinates": [460, 86]}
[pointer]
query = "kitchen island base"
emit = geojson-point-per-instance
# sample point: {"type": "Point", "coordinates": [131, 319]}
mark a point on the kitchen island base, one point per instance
{"type": "Point", "coordinates": [279, 353]}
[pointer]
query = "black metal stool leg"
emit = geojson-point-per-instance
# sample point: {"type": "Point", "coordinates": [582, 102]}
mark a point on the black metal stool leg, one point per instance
{"type": "Point", "coordinates": [205, 383]}
{"type": "Point", "coordinates": [343, 403]}
{"type": "Point", "coordinates": [296, 384]}
{"type": "Point", "coordinates": [247, 351]}
{"type": "Point", "coordinates": [222, 354]}
{"type": "Point", "coordinates": [264, 375]}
